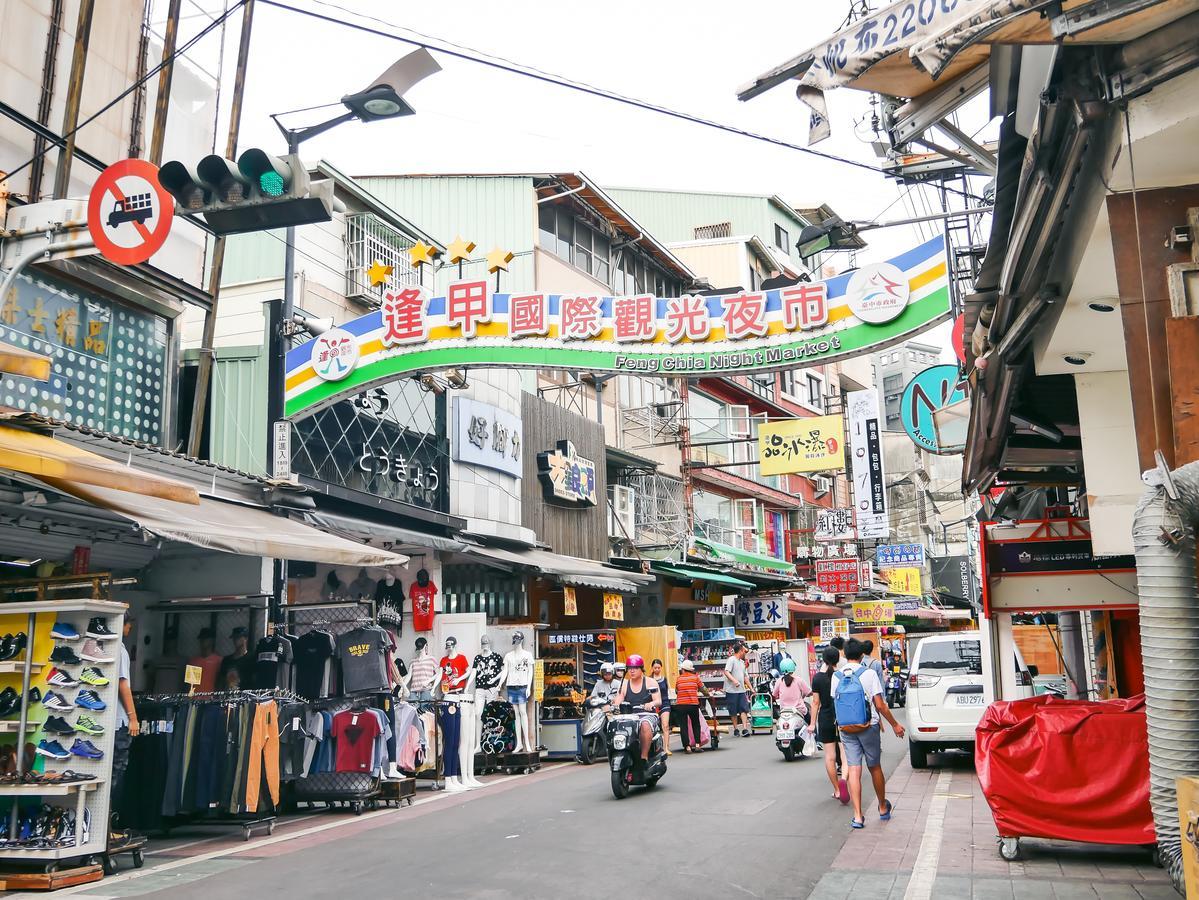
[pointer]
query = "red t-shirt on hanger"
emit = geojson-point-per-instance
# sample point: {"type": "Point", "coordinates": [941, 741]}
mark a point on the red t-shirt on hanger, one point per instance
{"type": "Point", "coordinates": [355, 731]}
{"type": "Point", "coordinates": [422, 605]}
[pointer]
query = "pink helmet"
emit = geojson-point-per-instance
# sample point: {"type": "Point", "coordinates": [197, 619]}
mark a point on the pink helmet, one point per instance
{"type": "Point", "coordinates": [634, 662]}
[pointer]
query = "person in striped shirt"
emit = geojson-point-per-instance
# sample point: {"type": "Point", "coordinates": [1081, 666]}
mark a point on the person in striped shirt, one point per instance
{"type": "Point", "coordinates": [687, 688]}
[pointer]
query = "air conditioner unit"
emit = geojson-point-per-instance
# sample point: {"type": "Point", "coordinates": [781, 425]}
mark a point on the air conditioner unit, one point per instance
{"type": "Point", "coordinates": [823, 483]}
{"type": "Point", "coordinates": [622, 516]}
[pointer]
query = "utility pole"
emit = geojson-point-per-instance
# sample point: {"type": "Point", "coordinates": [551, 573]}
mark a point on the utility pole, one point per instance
{"type": "Point", "coordinates": [70, 116]}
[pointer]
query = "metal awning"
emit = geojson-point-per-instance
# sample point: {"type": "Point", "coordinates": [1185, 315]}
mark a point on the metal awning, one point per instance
{"type": "Point", "coordinates": [567, 569]}
{"type": "Point", "coordinates": [230, 527]}
{"type": "Point", "coordinates": [728, 553]}
{"type": "Point", "coordinates": [55, 461]}
{"type": "Point", "coordinates": [367, 530]}
{"type": "Point", "coordinates": [687, 572]}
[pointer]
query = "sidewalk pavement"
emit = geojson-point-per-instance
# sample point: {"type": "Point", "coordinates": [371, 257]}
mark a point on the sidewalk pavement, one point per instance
{"type": "Point", "coordinates": [941, 842]}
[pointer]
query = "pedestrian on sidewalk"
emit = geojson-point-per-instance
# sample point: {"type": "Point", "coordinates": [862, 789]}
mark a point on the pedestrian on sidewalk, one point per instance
{"type": "Point", "coordinates": [858, 700]}
{"type": "Point", "coordinates": [825, 717]}
{"type": "Point", "coordinates": [838, 644]}
{"type": "Point", "coordinates": [687, 688]}
{"type": "Point", "coordinates": [871, 660]}
{"type": "Point", "coordinates": [736, 689]}
{"type": "Point", "coordinates": [658, 673]}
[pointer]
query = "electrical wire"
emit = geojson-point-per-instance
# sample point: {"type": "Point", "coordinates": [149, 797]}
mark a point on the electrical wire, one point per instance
{"type": "Point", "coordinates": [469, 54]}
{"type": "Point", "coordinates": [179, 51]}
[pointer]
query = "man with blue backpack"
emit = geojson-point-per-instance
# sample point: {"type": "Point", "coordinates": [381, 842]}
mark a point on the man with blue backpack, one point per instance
{"type": "Point", "coordinates": [858, 700]}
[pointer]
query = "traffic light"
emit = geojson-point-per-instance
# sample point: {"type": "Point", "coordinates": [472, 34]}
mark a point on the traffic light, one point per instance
{"type": "Point", "coordinates": [256, 193]}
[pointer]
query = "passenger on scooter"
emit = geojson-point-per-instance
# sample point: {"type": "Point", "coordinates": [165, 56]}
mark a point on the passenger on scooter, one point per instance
{"type": "Point", "coordinates": [606, 688]}
{"type": "Point", "coordinates": [790, 690]}
{"type": "Point", "coordinates": [644, 696]}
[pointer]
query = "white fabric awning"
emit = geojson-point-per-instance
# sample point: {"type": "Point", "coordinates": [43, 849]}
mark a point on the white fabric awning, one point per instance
{"type": "Point", "coordinates": [567, 569]}
{"type": "Point", "coordinates": [232, 528]}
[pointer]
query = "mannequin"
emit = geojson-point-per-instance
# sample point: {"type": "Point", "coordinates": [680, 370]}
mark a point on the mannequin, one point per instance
{"type": "Point", "coordinates": [517, 677]}
{"type": "Point", "coordinates": [457, 686]}
{"type": "Point", "coordinates": [422, 673]}
{"type": "Point", "coordinates": [487, 665]}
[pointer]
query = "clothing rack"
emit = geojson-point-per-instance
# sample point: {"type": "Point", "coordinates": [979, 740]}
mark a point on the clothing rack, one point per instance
{"type": "Point", "coordinates": [222, 697]}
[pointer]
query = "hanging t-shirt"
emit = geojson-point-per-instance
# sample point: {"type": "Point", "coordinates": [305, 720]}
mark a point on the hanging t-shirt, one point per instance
{"type": "Point", "coordinates": [452, 669]}
{"type": "Point", "coordinates": [362, 588]}
{"type": "Point", "coordinates": [355, 731]}
{"type": "Point", "coordinates": [363, 656]}
{"type": "Point", "coordinates": [390, 595]}
{"type": "Point", "coordinates": [313, 654]}
{"type": "Point", "coordinates": [272, 663]}
{"type": "Point", "coordinates": [487, 670]}
{"type": "Point", "coordinates": [422, 605]}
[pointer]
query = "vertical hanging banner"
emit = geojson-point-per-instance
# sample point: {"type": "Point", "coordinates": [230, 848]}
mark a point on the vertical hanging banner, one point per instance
{"type": "Point", "coordinates": [614, 607]}
{"type": "Point", "coordinates": [866, 462]}
{"type": "Point", "coordinates": [570, 601]}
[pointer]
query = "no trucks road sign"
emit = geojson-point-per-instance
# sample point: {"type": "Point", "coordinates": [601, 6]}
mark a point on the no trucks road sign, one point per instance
{"type": "Point", "coordinates": [129, 213]}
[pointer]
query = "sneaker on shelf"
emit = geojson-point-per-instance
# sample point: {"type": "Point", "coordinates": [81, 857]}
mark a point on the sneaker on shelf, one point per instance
{"type": "Point", "coordinates": [58, 725]}
{"type": "Point", "coordinates": [35, 695]}
{"type": "Point", "coordinates": [60, 679]}
{"type": "Point", "coordinates": [85, 749]}
{"type": "Point", "coordinates": [90, 700]}
{"type": "Point", "coordinates": [53, 749]}
{"type": "Point", "coordinates": [88, 725]}
{"type": "Point", "coordinates": [12, 645]}
{"type": "Point", "coordinates": [64, 632]}
{"type": "Point", "coordinates": [92, 675]}
{"type": "Point", "coordinates": [10, 700]}
{"type": "Point", "coordinates": [65, 655]}
{"type": "Point", "coordinates": [97, 628]}
{"type": "Point", "coordinates": [57, 702]}
{"type": "Point", "coordinates": [93, 652]}
{"type": "Point", "coordinates": [5, 646]}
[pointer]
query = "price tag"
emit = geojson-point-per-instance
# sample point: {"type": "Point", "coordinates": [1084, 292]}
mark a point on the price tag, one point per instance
{"type": "Point", "coordinates": [192, 675]}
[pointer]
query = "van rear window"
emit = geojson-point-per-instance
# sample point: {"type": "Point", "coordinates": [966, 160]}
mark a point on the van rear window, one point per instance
{"type": "Point", "coordinates": [965, 655]}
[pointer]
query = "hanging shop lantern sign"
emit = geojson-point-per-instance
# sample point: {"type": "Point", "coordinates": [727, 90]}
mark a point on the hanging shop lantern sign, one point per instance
{"type": "Point", "coordinates": [811, 323]}
{"type": "Point", "coordinates": [570, 602]}
{"type": "Point", "coordinates": [812, 444]}
{"type": "Point", "coordinates": [566, 477]}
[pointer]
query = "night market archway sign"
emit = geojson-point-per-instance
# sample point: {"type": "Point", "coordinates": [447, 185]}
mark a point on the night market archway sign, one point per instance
{"type": "Point", "coordinates": [810, 323]}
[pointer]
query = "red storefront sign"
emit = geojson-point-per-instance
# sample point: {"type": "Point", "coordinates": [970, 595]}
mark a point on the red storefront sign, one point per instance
{"type": "Point", "coordinates": [837, 576]}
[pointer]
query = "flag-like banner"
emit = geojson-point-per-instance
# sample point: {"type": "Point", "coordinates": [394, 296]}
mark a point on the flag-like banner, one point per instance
{"type": "Point", "coordinates": [472, 326]}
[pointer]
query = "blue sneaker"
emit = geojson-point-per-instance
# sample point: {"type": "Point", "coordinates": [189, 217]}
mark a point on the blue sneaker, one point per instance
{"type": "Point", "coordinates": [90, 700]}
{"type": "Point", "coordinates": [54, 750]}
{"type": "Point", "coordinates": [56, 702]}
{"type": "Point", "coordinates": [63, 632]}
{"type": "Point", "coordinates": [85, 749]}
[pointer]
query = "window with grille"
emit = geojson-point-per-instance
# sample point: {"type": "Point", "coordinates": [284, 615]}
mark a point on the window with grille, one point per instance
{"type": "Point", "coordinates": [719, 230]}
{"type": "Point", "coordinates": [369, 240]}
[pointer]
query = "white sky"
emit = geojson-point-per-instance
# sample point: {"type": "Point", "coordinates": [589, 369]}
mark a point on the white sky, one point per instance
{"type": "Point", "coordinates": [690, 56]}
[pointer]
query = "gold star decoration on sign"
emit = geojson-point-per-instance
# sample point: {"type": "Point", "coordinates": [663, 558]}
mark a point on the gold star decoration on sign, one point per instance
{"type": "Point", "coordinates": [460, 250]}
{"type": "Point", "coordinates": [421, 253]}
{"type": "Point", "coordinates": [498, 259]}
{"type": "Point", "coordinates": [378, 273]}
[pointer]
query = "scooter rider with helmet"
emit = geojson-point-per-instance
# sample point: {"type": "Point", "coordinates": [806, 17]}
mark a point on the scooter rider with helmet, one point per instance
{"type": "Point", "coordinates": [645, 697]}
{"type": "Point", "coordinates": [606, 688]}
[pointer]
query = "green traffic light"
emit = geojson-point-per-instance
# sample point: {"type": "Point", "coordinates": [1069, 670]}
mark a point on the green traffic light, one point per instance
{"type": "Point", "coordinates": [271, 183]}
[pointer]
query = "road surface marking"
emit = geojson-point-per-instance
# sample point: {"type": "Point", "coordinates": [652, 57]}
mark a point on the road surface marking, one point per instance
{"type": "Point", "coordinates": [924, 873]}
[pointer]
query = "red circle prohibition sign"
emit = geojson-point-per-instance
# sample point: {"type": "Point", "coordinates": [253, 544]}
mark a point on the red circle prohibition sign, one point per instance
{"type": "Point", "coordinates": [129, 213]}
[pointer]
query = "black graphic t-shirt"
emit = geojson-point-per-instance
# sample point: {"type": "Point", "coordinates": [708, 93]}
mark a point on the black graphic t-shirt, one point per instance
{"type": "Point", "coordinates": [363, 657]}
{"type": "Point", "coordinates": [314, 653]}
{"type": "Point", "coordinates": [487, 668]}
{"type": "Point", "coordinates": [272, 663]}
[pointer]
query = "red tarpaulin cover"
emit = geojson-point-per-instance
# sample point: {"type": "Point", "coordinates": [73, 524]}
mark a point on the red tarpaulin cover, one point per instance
{"type": "Point", "coordinates": [1072, 770]}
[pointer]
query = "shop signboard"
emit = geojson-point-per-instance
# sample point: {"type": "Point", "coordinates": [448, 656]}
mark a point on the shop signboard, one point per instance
{"type": "Point", "coordinates": [831, 628]}
{"type": "Point", "coordinates": [473, 325]}
{"type": "Point", "coordinates": [834, 525]}
{"type": "Point", "coordinates": [575, 637]}
{"type": "Point", "coordinates": [569, 600]}
{"type": "Point", "coordinates": [566, 478]}
{"type": "Point", "coordinates": [1040, 557]}
{"type": "Point", "coordinates": [613, 607]}
{"type": "Point", "coordinates": [953, 575]}
{"type": "Point", "coordinates": [902, 604]}
{"type": "Point", "coordinates": [865, 574]}
{"type": "Point", "coordinates": [766, 612]}
{"type": "Point", "coordinates": [486, 436]}
{"type": "Point", "coordinates": [837, 576]}
{"type": "Point", "coordinates": [873, 612]}
{"type": "Point", "coordinates": [539, 680]}
{"type": "Point", "coordinates": [281, 450]}
{"type": "Point", "coordinates": [811, 444]}
{"type": "Point", "coordinates": [866, 464]}
{"type": "Point", "coordinates": [903, 581]}
{"type": "Point", "coordinates": [723, 608]}
{"type": "Point", "coordinates": [934, 388]}
{"type": "Point", "coordinates": [894, 556]}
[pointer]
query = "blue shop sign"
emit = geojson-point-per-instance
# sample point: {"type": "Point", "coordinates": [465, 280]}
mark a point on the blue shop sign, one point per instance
{"type": "Point", "coordinates": [899, 556]}
{"type": "Point", "coordinates": [769, 612]}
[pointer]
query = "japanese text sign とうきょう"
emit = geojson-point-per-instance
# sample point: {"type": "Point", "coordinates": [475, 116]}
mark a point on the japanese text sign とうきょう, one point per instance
{"type": "Point", "coordinates": [746, 331]}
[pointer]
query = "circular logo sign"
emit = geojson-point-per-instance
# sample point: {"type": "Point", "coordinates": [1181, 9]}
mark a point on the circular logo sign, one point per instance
{"type": "Point", "coordinates": [929, 391]}
{"type": "Point", "coordinates": [334, 354]}
{"type": "Point", "coordinates": [128, 212]}
{"type": "Point", "coordinates": [878, 293]}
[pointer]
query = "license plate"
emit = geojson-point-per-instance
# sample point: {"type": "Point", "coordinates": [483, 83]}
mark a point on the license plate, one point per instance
{"type": "Point", "coordinates": [786, 734]}
{"type": "Point", "coordinates": [969, 700]}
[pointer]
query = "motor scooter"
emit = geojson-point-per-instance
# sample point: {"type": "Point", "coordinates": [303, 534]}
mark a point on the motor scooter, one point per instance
{"type": "Point", "coordinates": [624, 752]}
{"type": "Point", "coordinates": [897, 688]}
{"type": "Point", "coordinates": [791, 734]}
{"type": "Point", "coordinates": [593, 744]}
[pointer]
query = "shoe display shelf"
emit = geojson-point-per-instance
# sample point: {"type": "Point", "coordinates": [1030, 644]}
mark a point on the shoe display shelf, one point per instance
{"type": "Point", "coordinates": [87, 799]}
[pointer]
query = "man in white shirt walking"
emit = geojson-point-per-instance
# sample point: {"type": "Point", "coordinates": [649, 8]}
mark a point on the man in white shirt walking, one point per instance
{"type": "Point", "coordinates": [861, 737]}
{"type": "Point", "coordinates": [736, 689]}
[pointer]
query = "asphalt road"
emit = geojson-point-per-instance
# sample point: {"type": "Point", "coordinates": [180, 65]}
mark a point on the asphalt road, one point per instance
{"type": "Point", "coordinates": [736, 822]}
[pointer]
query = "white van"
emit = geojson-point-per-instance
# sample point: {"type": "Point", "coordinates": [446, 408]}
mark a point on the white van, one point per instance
{"type": "Point", "coordinates": [945, 697]}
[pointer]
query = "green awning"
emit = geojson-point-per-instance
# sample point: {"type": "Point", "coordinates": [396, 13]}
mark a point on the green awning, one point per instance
{"type": "Point", "coordinates": [746, 557]}
{"type": "Point", "coordinates": [701, 575]}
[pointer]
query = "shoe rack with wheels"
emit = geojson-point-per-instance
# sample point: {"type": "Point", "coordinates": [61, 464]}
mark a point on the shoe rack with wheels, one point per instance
{"type": "Point", "coordinates": [85, 799]}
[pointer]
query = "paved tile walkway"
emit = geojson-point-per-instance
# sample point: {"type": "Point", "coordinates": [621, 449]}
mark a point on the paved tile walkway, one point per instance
{"type": "Point", "coordinates": [902, 859]}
